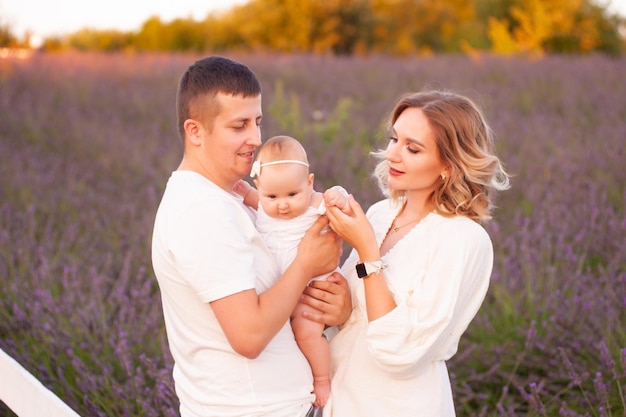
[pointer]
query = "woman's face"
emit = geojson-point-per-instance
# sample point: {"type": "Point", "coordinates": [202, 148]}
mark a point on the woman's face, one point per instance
{"type": "Point", "coordinates": [414, 161]}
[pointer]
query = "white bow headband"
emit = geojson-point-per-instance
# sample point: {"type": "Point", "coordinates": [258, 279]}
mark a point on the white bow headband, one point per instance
{"type": "Point", "coordinates": [257, 165]}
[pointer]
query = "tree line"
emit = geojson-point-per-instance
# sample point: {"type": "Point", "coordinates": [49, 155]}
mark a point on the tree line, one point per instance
{"type": "Point", "coordinates": [347, 27]}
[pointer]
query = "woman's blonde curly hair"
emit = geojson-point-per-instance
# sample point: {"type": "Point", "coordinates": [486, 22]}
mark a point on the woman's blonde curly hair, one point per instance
{"type": "Point", "coordinates": [465, 145]}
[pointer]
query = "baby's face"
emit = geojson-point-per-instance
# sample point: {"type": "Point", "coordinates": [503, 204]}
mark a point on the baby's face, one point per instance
{"type": "Point", "coordinates": [285, 190]}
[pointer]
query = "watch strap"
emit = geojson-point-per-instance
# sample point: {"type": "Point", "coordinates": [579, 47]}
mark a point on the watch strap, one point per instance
{"type": "Point", "coordinates": [364, 269]}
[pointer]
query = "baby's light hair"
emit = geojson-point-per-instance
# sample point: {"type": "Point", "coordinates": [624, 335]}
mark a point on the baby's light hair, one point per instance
{"type": "Point", "coordinates": [279, 150]}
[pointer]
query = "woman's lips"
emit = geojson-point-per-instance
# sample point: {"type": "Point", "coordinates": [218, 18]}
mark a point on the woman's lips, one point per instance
{"type": "Point", "coordinates": [395, 172]}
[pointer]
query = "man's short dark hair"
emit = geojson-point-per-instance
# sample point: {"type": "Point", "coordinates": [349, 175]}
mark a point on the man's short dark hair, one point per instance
{"type": "Point", "coordinates": [204, 79]}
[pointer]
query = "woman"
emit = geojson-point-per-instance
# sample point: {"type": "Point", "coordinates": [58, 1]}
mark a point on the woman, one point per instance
{"type": "Point", "coordinates": [421, 262]}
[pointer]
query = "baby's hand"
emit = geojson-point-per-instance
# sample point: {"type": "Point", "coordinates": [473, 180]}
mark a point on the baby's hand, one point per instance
{"type": "Point", "coordinates": [242, 188]}
{"type": "Point", "coordinates": [336, 198]}
{"type": "Point", "coordinates": [248, 193]}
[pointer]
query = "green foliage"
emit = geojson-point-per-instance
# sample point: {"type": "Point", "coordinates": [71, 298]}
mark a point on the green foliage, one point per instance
{"type": "Point", "coordinates": [319, 130]}
{"type": "Point", "coordinates": [286, 110]}
{"type": "Point", "coordinates": [99, 40]}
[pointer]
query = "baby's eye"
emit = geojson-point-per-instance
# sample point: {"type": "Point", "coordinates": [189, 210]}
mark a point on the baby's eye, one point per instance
{"type": "Point", "coordinates": [293, 194]}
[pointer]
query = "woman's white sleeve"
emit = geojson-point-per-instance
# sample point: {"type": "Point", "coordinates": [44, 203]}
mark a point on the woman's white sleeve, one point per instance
{"type": "Point", "coordinates": [429, 320]}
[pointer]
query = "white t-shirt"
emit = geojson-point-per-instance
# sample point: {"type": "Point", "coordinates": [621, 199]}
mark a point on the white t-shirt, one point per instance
{"type": "Point", "coordinates": [395, 366]}
{"type": "Point", "coordinates": [205, 247]}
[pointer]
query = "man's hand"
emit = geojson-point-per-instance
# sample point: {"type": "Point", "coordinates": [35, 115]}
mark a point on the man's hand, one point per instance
{"type": "Point", "coordinates": [318, 253]}
{"type": "Point", "coordinates": [331, 299]}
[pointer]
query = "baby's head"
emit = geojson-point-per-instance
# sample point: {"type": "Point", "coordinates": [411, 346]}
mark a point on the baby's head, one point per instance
{"type": "Point", "coordinates": [281, 176]}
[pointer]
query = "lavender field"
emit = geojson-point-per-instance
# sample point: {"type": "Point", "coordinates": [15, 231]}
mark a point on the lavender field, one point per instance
{"type": "Point", "coordinates": [87, 143]}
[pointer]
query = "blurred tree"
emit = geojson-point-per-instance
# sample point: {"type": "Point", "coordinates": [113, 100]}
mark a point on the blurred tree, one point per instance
{"type": "Point", "coordinates": [177, 35]}
{"type": "Point", "coordinates": [554, 26]}
{"type": "Point", "coordinates": [150, 36]}
{"type": "Point", "coordinates": [280, 25]}
{"type": "Point", "coordinates": [185, 35]}
{"type": "Point", "coordinates": [427, 25]}
{"type": "Point", "coordinates": [99, 40]}
{"type": "Point", "coordinates": [345, 27]}
{"type": "Point", "coordinates": [441, 25]}
{"type": "Point", "coordinates": [539, 20]}
{"type": "Point", "coordinates": [7, 38]}
{"type": "Point", "coordinates": [501, 38]}
{"type": "Point", "coordinates": [297, 25]}
{"type": "Point", "coordinates": [392, 26]}
{"type": "Point", "coordinates": [222, 32]}
{"type": "Point", "coordinates": [53, 43]}
{"type": "Point", "coordinates": [407, 26]}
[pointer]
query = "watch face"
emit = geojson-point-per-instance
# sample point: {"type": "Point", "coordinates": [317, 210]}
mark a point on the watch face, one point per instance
{"type": "Point", "coordinates": [361, 271]}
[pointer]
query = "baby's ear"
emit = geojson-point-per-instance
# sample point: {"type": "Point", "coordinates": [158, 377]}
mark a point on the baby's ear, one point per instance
{"type": "Point", "coordinates": [311, 179]}
{"type": "Point", "coordinates": [256, 183]}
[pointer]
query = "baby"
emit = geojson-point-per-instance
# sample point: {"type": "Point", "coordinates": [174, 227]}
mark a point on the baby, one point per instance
{"type": "Point", "coordinates": [287, 205]}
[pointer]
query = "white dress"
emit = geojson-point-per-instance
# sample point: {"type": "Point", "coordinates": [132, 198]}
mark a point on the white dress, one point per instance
{"type": "Point", "coordinates": [395, 366]}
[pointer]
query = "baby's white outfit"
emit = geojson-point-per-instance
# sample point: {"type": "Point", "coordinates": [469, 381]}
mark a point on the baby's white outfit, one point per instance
{"type": "Point", "coordinates": [283, 236]}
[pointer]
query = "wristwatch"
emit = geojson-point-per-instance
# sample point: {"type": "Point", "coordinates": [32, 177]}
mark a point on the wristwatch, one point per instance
{"type": "Point", "coordinates": [364, 269]}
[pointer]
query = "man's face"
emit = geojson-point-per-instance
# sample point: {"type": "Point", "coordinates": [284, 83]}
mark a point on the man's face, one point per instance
{"type": "Point", "coordinates": [228, 148]}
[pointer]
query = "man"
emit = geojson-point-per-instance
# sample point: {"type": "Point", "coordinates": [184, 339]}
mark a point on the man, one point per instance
{"type": "Point", "coordinates": [225, 306]}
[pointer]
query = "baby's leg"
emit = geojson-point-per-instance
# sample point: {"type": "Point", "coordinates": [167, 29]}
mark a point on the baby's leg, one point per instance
{"type": "Point", "coordinates": [315, 348]}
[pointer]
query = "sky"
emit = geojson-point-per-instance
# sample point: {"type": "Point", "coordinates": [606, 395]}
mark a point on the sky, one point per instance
{"type": "Point", "coordinates": [44, 18]}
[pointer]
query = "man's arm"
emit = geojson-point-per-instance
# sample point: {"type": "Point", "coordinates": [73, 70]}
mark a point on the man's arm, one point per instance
{"type": "Point", "coordinates": [250, 320]}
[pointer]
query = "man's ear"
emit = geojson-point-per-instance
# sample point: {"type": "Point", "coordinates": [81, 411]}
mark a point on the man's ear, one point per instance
{"type": "Point", "coordinates": [192, 131]}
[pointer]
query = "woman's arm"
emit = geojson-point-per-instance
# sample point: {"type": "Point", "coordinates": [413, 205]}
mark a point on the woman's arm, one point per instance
{"type": "Point", "coordinates": [442, 292]}
{"type": "Point", "coordinates": [353, 226]}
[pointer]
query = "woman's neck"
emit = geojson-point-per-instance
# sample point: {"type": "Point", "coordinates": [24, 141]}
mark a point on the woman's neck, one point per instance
{"type": "Point", "coordinates": [417, 206]}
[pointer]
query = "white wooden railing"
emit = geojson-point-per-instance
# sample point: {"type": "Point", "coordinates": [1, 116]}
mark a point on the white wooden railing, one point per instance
{"type": "Point", "coordinates": [25, 395]}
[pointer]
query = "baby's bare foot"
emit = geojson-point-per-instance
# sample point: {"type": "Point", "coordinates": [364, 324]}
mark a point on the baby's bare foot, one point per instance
{"type": "Point", "coordinates": [321, 389]}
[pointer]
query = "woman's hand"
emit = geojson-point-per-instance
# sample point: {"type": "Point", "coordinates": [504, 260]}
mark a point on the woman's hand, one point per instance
{"type": "Point", "coordinates": [355, 229]}
{"type": "Point", "coordinates": [331, 299]}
